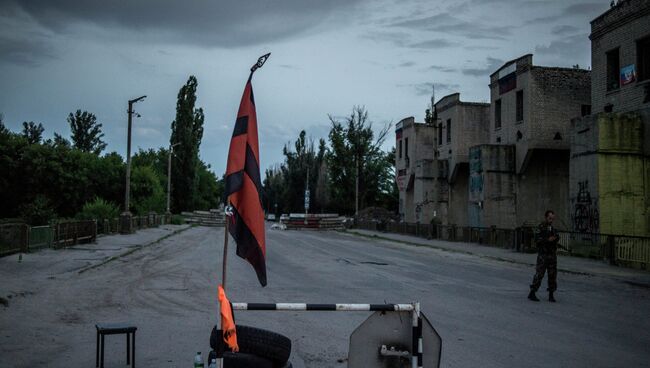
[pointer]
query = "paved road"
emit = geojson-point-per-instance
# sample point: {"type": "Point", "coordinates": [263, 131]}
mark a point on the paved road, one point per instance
{"type": "Point", "coordinates": [168, 289]}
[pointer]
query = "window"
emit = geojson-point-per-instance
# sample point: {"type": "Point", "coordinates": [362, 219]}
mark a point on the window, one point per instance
{"type": "Point", "coordinates": [643, 58]}
{"type": "Point", "coordinates": [440, 134]}
{"type": "Point", "coordinates": [448, 130]}
{"type": "Point", "coordinates": [497, 114]}
{"type": "Point", "coordinates": [585, 110]}
{"type": "Point", "coordinates": [613, 70]}
{"type": "Point", "coordinates": [406, 148]}
{"type": "Point", "coordinates": [399, 145]}
{"type": "Point", "coordinates": [520, 106]}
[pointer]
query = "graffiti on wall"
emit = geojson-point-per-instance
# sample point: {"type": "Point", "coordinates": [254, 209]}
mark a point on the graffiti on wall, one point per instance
{"type": "Point", "coordinates": [586, 218]}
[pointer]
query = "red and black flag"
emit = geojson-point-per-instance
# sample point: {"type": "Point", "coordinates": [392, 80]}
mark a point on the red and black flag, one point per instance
{"type": "Point", "coordinates": [243, 184]}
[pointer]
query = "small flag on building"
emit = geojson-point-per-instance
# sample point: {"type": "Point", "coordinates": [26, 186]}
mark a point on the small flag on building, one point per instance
{"type": "Point", "coordinates": [243, 184]}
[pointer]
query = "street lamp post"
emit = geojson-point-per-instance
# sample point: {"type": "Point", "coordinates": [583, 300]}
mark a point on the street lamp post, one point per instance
{"type": "Point", "coordinates": [169, 174]}
{"type": "Point", "coordinates": [126, 227]}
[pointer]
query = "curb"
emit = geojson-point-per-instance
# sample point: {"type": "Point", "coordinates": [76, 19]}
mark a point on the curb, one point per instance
{"type": "Point", "coordinates": [133, 250]}
{"type": "Point", "coordinates": [500, 259]}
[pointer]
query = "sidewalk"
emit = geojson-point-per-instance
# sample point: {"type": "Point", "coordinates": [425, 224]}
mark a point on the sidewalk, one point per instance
{"type": "Point", "coordinates": [567, 264]}
{"type": "Point", "coordinates": [83, 257]}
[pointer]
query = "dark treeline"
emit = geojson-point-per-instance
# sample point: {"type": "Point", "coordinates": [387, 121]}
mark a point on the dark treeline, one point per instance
{"type": "Point", "coordinates": [42, 180]}
{"type": "Point", "coordinates": [330, 169]}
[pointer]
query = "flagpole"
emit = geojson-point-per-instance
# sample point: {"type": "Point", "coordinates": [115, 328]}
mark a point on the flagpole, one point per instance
{"type": "Point", "coordinates": [260, 62]}
{"type": "Point", "coordinates": [228, 211]}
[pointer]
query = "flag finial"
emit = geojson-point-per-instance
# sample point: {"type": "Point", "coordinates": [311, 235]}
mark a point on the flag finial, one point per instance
{"type": "Point", "coordinates": [260, 62]}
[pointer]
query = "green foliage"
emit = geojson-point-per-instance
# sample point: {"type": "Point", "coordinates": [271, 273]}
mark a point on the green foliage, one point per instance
{"type": "Point", "coordinates": [98, 209]}
{"type": "Point", "coordinates": [146, 191]}
{"type": "Point", "coordinates": [187, 132]}
{"type": "Point", "coordinates": [86, 132]}
{"type": "Point", "coordinates": [38, 212]}
{"type": "Point", "coordinates": [66, 177]}
{"type": "Point", "coordinates": [209, 189]}
{"type": "Point", "coordinates": [177, 220]}
{"type": "Point", "coordinates": [33, 132]}
{"type": "Point", "coordinates": [354, 148]}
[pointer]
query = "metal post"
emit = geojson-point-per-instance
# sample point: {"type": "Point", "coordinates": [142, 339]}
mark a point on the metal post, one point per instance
{"type": "Point", "coordinates": [126, 227]}
{"type": "Point", "coordinates": [128, 159]}
{"type": "Point", "coordinates": [169, 174]}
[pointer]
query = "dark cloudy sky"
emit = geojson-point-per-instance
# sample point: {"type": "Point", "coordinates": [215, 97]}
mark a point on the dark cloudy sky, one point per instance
{"type": "Point", "coordinates": [328, 55]}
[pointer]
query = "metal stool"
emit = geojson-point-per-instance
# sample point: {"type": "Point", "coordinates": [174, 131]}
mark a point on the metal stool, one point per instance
{"type": "Point", "coordinates": [114, 329]}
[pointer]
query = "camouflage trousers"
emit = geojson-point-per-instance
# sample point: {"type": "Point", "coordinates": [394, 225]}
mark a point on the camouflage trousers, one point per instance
{"type": "Point", "coordinates": [545, 262]}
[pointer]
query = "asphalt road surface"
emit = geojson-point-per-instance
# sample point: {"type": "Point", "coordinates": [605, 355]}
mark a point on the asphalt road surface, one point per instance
{"type": "Point", "coordinates": [168, 290]}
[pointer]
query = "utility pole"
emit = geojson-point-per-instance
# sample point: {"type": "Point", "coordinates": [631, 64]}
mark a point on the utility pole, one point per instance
{"type": "Point", "coordinates": [126, 215]}
{"type": "Point", "coordinates": [307, 195]}
{"type": "Point", "coordinates": [169, 174]}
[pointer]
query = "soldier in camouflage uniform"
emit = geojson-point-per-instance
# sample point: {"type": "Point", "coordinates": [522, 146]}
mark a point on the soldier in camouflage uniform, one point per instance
{"type": "Point", "coordinates": [546, 239]}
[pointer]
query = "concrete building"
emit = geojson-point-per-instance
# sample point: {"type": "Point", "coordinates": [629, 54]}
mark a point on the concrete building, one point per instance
{"type": "Point", "coordinates": [531, 110]}
{"type": "Point", "coordinates": [460, 125]}
{"type": "Point", "coordinates": [620, 57]}
{"type": "Point", "coordinates": [414, 168]}
{"type": "Point", "coordinates": [610, 150]}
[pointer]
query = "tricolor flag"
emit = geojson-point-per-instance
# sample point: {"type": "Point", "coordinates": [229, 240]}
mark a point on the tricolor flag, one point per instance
{"type": "Point", "coordinates": [244, 188]}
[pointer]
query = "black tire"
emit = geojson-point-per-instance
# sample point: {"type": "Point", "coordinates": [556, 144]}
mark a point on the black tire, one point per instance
{"type": "Point", "coordinates": [242, 360]}
{"type": "Point", "coordinates": [251, 340]}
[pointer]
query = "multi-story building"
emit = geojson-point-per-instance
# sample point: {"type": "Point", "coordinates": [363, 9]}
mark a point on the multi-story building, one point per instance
{"type": "Point", "coordinates": [620, 57]}
{"type": "Point", "coordinates": [414, 169]}
{"type": "Point", "coordinates": [610, 150]}
{"type": "Point", "coordinates": [531, 110]}
{"type": "Point", "coordinates": [460, 125]}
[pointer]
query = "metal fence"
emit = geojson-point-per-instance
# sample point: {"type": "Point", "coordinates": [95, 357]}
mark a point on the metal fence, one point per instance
{"type": "Point", "coordinates": [623, 250]}
{"type": "Point", "coordinates": [14, 238]}
{"type": "Point", "coordinates": [40, 237]}
{"type": "Point", "coordinates": [20, 237]}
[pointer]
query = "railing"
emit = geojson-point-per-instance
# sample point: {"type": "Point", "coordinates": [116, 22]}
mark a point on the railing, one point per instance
{"type": "Point", "coordinates": [14, 238]}
{"type": "Point", "coordinates": [617, 249]}
{"type": "Point", "coordinates": [40, 237]}
{"type": "Point", "coordinates": [20, 237]}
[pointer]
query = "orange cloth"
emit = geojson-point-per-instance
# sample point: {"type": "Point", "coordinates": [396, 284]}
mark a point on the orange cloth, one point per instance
{"type": "Point", "coordinates": [227, 321]}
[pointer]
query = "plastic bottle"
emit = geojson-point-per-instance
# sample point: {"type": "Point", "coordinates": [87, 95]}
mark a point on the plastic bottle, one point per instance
{"type": "Point", "coordinates": [198, 360]}
{"type": "Point", "coordinates": [213, 363]}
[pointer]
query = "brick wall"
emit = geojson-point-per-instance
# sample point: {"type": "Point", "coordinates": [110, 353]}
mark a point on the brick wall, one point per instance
{"type": "Point", "coordinates": [620, 27]}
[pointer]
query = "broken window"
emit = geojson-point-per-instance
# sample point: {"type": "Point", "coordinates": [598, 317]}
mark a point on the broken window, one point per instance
{"type": "Point", "coordinates": [448, 130]}
{"type": "Point", "coordinates": [643, 58]}
{"type": "Point", "coordinates": [497, 114]}
{"type": "Point", "coordinates": [613, 70]}
{"type": "Point", "coordinates": [520, 106]}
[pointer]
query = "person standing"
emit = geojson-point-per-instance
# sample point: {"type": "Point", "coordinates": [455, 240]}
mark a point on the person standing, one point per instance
{"type": "Point", "coordinates": [546, 239]}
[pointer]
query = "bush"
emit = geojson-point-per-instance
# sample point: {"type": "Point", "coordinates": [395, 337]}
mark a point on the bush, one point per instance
{"type": "Point", "coordinates": [177, 220]}
{"type": "Point", "coordinates": [38, 212]}
{"type": "Point", "coordinates": [98, 209]}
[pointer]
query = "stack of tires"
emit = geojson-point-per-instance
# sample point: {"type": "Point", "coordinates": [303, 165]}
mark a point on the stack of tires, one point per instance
{"type": "Point", "coordinates": [258, 348]}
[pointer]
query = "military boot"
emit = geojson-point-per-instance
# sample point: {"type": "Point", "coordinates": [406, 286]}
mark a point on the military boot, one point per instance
{"type": "Point", "coordinates": [550, 297]}
{"type": "Point", "coordinates": [532, 296]}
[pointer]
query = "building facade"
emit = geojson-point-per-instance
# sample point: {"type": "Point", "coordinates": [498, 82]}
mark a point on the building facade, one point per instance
{"type": "Point", "coordinates": [610, 150]}
{"type": "Point", "coordinates": [531, 110]}
{"type": "Point", "coordinates": [620, 57]}
{"type": "Point", "coordinates": [414, 169]}
{"type": "Point", "coordinates": [460, 125]}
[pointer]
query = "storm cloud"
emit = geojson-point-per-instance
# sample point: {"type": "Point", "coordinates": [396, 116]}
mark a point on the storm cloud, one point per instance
{"type": "Point", "coordinates": [225, 23]}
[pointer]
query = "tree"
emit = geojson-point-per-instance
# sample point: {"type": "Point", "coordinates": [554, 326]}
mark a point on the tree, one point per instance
{"type": "Point", "coordinates": [354, 149]}
{"type": "Point", "coordinates": [86, 132]}
{"type": "Point", "coordinates": [187, 131]}
{"type": "Point", "coordinates": [33, 132]}
{"type": "Point", "coordinates": [60, 141]}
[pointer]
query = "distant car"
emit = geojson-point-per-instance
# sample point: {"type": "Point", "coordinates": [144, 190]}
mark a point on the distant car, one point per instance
{"type": "Point", "coordinates": [284, 217]}
{"type": "Point", "coordinates": [270, 217]}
